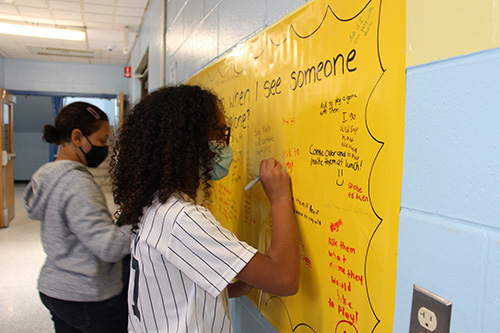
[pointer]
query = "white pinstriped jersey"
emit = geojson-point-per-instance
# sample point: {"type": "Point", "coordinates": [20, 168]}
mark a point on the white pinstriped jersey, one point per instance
{"type": "Point", "coordinates": [182, 262]}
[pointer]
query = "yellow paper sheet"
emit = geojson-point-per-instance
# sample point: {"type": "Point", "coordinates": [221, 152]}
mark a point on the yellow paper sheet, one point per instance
{"type": "Point", "coordinates": [323, 92]}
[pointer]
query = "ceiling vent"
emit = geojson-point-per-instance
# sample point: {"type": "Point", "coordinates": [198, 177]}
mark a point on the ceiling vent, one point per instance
{"type": "Point", "coordinates": [64, 52]}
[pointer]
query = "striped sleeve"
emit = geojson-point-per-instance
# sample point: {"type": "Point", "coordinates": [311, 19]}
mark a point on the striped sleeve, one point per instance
{"type": "Point", "coordinates": [210, 255]}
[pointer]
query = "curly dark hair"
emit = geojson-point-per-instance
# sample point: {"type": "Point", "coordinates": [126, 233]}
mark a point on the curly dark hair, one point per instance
{"type": "Point", "coordinates": [163, 148]}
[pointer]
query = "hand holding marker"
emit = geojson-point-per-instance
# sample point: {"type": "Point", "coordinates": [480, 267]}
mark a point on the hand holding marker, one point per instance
{"type": "Point", "coordinates": [252, 183]}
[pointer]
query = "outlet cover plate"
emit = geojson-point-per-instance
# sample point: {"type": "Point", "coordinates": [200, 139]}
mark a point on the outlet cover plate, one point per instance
{"type": "Point", "coordinates": [431, 310]}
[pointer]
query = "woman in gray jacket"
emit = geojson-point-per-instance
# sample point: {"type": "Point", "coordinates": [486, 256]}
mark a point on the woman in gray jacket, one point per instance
{"type": "Point", "coordinates": [80, 282]}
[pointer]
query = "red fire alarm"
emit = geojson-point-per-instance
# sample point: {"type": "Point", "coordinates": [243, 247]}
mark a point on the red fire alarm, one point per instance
{"type": "Point", "coordinates": [127, 71]}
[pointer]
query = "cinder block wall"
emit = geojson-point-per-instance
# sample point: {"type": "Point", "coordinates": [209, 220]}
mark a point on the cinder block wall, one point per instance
{"type": "Point", "coordinates": [449, 239]}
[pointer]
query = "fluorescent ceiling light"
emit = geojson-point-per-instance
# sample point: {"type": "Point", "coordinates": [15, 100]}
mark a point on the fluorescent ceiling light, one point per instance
{"type": "Point", "coordinates": [36, 31]}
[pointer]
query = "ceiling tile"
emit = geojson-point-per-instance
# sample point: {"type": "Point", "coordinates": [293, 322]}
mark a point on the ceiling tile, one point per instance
{"type": "Point", "coordinates": [100, 25]}
{"type": "Point", "coordinates": [98, 9]}
{"type": "Point", "coordinates": [69, 23]}
{"type": "Point", "coordinates": [128, 21]}
{"type": "Point", "coordinates": [11, 17]}
{"type": "Point", "coordinates": [31, 3]}
{"type": "Point", "coordinates": [122, 56]}
{"type": "Point", "coordinates": [34, 12]}
{"type": "Point", "coordinates": [20, 41]}
{"type": "Point", "coordinates": [105, 45]}
{"type": "Point", "coordinates": [8, 9]}
{"type": "Point", "coordinates": [41, 20]}
{"type": "Point", "coordinates": [17, 54]}
{"type": "Point", "coordinates": [65, 15]}
{"type": "Point", "coordinates": [98, 18]}
{"type": "Point", "coordinates": [5, 39]}
{"type": "Point", "coordinates": [100, 35]}
{"type": "Point", "coordinates": [104, 20]}
{"type": "Point", "coordinates": [74, 44]}
{"type": "Point", "coordinates": [64, 5]}
{"type": "Point", "coordinates": [132, 3]}
{"type": "Point", "coordinates": [100, 2]}
{"type": "Point", "coordinates": [48, 42]}
{"type": "Point", "coordinates": [124, 11]}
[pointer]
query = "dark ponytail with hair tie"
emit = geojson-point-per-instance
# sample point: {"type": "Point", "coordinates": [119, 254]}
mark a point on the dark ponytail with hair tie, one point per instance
{"type": "Point", "coordinates": [86, 117]}
{"type": "Point", "coordinates": [50, 134]}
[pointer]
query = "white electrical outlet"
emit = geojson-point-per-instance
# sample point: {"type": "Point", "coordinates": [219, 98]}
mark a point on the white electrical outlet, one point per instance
{"type": "Point", "coordinates": [430, 313]}
{"type": "Point", "coordinates": [427, 319]}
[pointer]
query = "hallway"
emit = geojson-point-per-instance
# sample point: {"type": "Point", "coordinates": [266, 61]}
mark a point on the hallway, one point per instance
{"type": "Point", "coordinates": [21, 257]}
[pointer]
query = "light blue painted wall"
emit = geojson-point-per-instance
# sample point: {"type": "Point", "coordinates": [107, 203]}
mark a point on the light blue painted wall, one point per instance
{"type": "Point", "coordinates": [198, 32]}
{"type": "Point", "coordinates": [50, 77]}
{"type": "Point", "coordinates": [31, 113]}
{"type": "Point", "coordinates": [2, 72]}
{"type": "Point", "coordinates": [149, 40]}
{"type": "Point", "coordinates": [449, 239]}
{"type": "Point", "coordinates": [63, 77]}
{"type": "Point", "coordinates": [31, 153]}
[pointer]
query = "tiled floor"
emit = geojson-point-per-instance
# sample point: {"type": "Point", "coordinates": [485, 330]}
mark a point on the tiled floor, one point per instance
{"type": "Point", "coordinates": [21, 256]}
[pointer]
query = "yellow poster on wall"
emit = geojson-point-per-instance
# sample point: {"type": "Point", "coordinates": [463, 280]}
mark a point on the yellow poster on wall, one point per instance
{"type": "Point", "coordinates": [323, 92]}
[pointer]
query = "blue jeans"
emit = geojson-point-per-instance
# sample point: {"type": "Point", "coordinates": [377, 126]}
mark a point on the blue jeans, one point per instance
{"type": "Point", "coordinates": [90, 317]}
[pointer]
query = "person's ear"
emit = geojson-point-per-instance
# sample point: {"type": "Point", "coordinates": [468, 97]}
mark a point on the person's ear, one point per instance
{"type": "Point", "coordinates": [77, 137]}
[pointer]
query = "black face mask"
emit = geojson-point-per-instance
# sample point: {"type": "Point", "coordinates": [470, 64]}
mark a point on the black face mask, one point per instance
{"type": "Point", "coordinates": [96, 155]}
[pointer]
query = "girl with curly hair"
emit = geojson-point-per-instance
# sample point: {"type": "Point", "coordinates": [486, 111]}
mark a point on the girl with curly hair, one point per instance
{"type": "Point", "coordinates": [172, 143]}
{"type": "Point", "coordinates": [80, 281]}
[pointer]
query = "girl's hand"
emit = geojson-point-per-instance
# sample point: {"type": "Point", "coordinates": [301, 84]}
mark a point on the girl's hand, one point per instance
{"type": "Point", "coordinates": [275, 181]}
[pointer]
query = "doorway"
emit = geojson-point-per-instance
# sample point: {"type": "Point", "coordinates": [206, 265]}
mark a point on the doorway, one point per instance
{"type": "Point", "coordinates": [7, 208]}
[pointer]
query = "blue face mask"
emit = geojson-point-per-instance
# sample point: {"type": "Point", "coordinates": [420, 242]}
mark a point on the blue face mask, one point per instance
{"type": "Point", "coordinates": [221, 162]}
